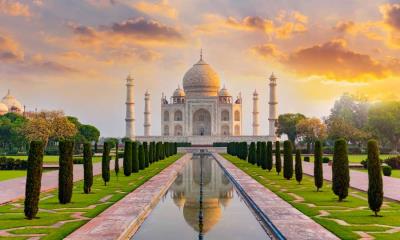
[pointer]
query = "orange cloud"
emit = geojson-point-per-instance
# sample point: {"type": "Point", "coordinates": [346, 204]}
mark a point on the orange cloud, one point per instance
{"type": "Point", "coordinates": [333, 60]}
{"type": "Point", "coordinates": [14, 8]}
{"type": "Point", "coordinates": [10, 50]}
{"type": "Point", "coordinates": [391, 19]}
{"type": "Point", "coordinates": [162, 8]}
{"type": "Point", "coordinates": [371, 30]}
{"type": "Point", "coordinates": [283, 27]}
{"type": "Point", "coordinates": [266, 51]}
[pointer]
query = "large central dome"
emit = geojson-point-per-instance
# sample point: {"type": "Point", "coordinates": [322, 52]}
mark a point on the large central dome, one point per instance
{"type": "Point", "coordinates": [201, 80]}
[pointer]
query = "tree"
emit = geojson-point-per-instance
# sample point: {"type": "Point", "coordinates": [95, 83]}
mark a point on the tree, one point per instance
{"type": "Point", "coordinates": [245, 151]}
{"type": "Point", "coordinates": [375, 185]}
{"type": "Point", "coordinates": [105, 163]}
{"type": "Point", "coordinates": [116, 164]}
{"type": "Point", "coordinates": [33, 179]}
{"type": "Point", "coordinates": [318, 170]}
{"type": "Point", "coordinates": [11, 134]}
{"type": "Point", "coordinates": [340, 128]}
{"type": "Point", "coordinates": [258, 154]}
{"type": "Point", "coordinates": [311, 129]}
{"type": "Point", "coordinates": [65, 172]}
{"type": "Point", "coordinates": [141, 157]}
{"type": "Point", "coordinates": [269, 156]}
{"type": "Point", "coordinates": [151, 146]}
{"type": "Point", "coordinates": [287, 125]}
{"type": "Point", "coordinates": [298, 167]}
{"type": "Point", "coordinates": [263, 155]}
{"type": "Point", "coordinates": [91, 133]}
{"type": "Point", "coordinates": [340, 170]}
{"type": "Point", "coordinates": [384, 118]}
{"type": "Point", "coordinates": [146, 155]}
{"type": "Point", "coordinates": [87, 167]}
{"type": "Point", "coordinates": [252, 153]}
{"type": "Point", "coordinates": [135, 157]}
{"type": "Point", "coordinates": [278, 161]}
{"type": "Point", "coordinates": [128, 158]}
{"type": "Point", "coordinates": [287, 160]}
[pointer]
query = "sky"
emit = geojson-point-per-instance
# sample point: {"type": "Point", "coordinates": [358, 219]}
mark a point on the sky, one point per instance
{"type": "Point", "coordinates": [75, 55]}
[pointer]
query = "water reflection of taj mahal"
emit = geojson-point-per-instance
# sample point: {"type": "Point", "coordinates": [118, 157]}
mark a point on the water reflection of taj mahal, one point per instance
{"type": "Point", "coordinates": [217, 193]}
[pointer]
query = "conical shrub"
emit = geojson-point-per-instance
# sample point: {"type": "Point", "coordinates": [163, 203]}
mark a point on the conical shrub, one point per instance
{"type": "Point", "coordinates": [278, 160]}
{"type": "Point", "coordinates": [318, 171]}
{"type": "Point", "coordinates": [87, 168]}
{"type": "Point", "coordinates": [287, 160]}
{"type": "Point", "coordinates": [128, 158]}
{"type": "Point", "coordinates": [146, 155]}
{"type": "Point", "coordinates": [340, 170]}
{"type": "Point", "coordinates": [65, 171]}
{"type": "Point", "coordinates": [298, 168]}
{"type": "Point", "coordinates": [105, 163]}
{"type": "Point", "coordinates": [375, 185]}
{"type": "Point", "coordinates": [269, 156]}
{"type": "Point", "coordinates": [141, 157]}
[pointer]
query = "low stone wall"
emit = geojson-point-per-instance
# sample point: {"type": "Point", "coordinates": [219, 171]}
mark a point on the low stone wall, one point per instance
{"type": "Point", "coordinates": [121, 220]}
{"type": "Point", "coordinates": [198, 149]}
{"type": "Point", "coordinates": [205, 140]}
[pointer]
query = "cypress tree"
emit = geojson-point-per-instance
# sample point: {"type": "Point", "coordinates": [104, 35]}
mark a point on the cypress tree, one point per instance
{"type": "Point", "coordinates": [87, 168]}
{"type": "Point", "coordinates": [288, 160]}
{"type": "Point", "coordinates": [116, 164]}
{"type": "Point", "coordinates": [252, 153]}
{"type": "Point", "coordinates": [298, 167]}
{"type": "Point", "coordinates": [65, 171]}
{"type": "Point", "coordinates": [155, 153]}
{"type": "Point", "coordinates": [176, 148]}
{"type": "Point", "coordinates": [141, 157]}
{"type": "Point", "coordinates": [318, 171]}
{"type": "Point", "coordinates": [151, 153]}
{"type": "Point", "coordinates": [127, 158]}
{"type": "Point", "coordinates": [269, 156]}
{"type": "Point", "coordinates": [375, 185]}
{"type": "Point", "coordinates": [162, 153]}
{"type": "Point", "coordinates": [105, 163]}
{"type": "Point", "coordinates": [158, 151]}
{"type": "Point", "coordinates": [135, 157]}
{"type": "Point", "coordinates": [340, 170]}
{"type": "Point", "coordinates": [146, 155]}
{"type": "Point", "coordinates": [245, 150]}
{"type": "Point", "coordinates": [33, 179]}
{"type": "Point", "coordinates": [263, 155]}
{"type": "Point", "coordinates": [278, 160]}
{"type": "Point", "coordinates": [258, 153]}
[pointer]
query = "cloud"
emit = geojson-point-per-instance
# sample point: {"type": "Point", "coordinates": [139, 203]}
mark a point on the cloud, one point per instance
{"type": "Point", "coordinates": [162, 8]}
{"type": "Point", "coordinates": [101, 3]}
{"type": "Point", "coordinates": [284, 26]}
{"type": "Point", "coordinates": [135, 30]}
{"type": "Point", "coordinates": [10, 51]}
{"type": "Point", "coordinates": [333, 60]}
{"type": "Point", "coordinates": [14, 8]}
{"type": "Point", "coordinates": [391, 15]}
{"type": "Point", "coordinates": [266, 51]}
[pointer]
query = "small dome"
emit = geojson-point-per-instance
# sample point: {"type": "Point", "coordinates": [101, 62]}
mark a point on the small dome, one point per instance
{"type": "Point", "coordinates": [224, 92]}
{"type": "Point", "coordinates": [179, 92]}
{"type": "Point", "coordinates": [12, 103]}
{"type": "Point", "coordinates": [3, 109]}
{"type": "Point", "coordinates": [201, 80]}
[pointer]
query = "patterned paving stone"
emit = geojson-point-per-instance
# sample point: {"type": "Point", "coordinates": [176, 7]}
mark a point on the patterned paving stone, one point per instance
{"type": "Point", "coordinates": [359, 180]}
{"type": "Point", "coordinates": [14, 189]}
{"type": "Point", "coordinates": [291, 222]}
{"type": "Point", "coordinates": [123, 218]}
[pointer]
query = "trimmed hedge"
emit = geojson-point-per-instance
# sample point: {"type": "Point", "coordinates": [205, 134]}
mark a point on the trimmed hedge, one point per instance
{"type": "Point", "coordinates": [141, 157]}
{"type": "Point", "coordinates": [135, 157]}
{"type": "Point", "coordinates": [252, 153]}
{"type": "Point", "coordinates": [387, 171]}
{"type": "Point", "coordinates": [287, 160]}
{"type": "Point", "coordinates": [269, 156]}
{"type": "Point", "coordinates": [127, 163]}
{"type": "Point", "coordinates": [278, 160]}
{"type": "Point", "coordinates": [318, 170]}
{"type": "Point", "coordinates": [146, 154]}
{"type": "Point", "coordinates": [7, 163]}
{"type": "Point", "coordinates": [65, 172]}
{"type": "Point", "coordinates": [298, 167]}
{"type": "Point", "coordinates": [105, 163]}
{"type": "Point", "coordinates": [33, 179]}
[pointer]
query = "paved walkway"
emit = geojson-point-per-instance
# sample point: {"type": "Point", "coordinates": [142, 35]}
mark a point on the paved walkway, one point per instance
{"type": "Point", "coordinates": [121, 220]}
{"type": "Point", "coordinates": [359, 180]}
{"type": "Point", "coordinates": [291, 222]}
{"type": "Point", "coordinates": [14, 189]}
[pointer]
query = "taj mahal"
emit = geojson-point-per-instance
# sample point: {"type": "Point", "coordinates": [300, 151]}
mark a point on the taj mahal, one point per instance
{"type": "Point", "coordinates": [201, 112]}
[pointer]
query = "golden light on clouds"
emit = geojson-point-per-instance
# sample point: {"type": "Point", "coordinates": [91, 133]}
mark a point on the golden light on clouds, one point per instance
{"type": "Point", "coordinates": [14, 8]}
{"type": "Point", "coordinates": [162, 8]}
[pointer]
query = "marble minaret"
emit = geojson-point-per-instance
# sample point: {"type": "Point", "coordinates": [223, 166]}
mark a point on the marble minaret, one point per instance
{"type": "Point", "coordinates": [147, 114]}
{"type": "Point", "coordinates": [273, 118]}
{"type": "Point", "coordinates": [256, 124]}
{"type": "Point", "coordinates": [130, 109]}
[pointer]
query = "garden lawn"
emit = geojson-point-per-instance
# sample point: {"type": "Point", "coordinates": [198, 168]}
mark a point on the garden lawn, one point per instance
{"type": "Point", "coordinates": [82, 208]}
{"type": "Point", "coordinates": [354, 158]}
{"type": "Point", "coordinates": [353, 213]}
{"type": "Point", "coordinates": [9, 174]}
{"type": "Point", "coordinates": [53, 159]}
{"type": "Point", "coordinates": [395, 172]}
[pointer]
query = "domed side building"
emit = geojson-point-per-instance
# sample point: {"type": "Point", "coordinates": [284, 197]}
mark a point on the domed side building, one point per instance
{"type": "Point", "coordinates": [10, 104]}
{"type": "Point", "coordinates": [202, 107]}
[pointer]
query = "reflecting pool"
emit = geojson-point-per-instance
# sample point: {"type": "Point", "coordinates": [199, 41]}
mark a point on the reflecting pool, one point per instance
{"type": "Point", "coordinates": [201, 204]}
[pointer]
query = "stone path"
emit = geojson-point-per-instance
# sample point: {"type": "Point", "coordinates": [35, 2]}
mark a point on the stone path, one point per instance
{"type": "Point", "coordinates": [121, 220]}
{"type": "Point", "coordinates": [291, 222]}
{"type": "Point", "coordinates": [14, 189]}
{"type": "Point", "coordinates": [359, 180]}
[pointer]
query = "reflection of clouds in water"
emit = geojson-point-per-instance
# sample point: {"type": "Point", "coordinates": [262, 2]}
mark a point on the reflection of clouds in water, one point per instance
{"type": "Point", "coordinates": [217, 189]}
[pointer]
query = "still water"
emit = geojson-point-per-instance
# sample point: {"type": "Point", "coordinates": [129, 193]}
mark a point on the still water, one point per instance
{"type": "Point", "coordinates": [201, 204]}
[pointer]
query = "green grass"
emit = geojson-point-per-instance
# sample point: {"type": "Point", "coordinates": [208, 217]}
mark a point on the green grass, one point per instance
{"type": "Point", "coordinates": [395, 172]}
{"type": "Point", "coordinates": [356, 158]}
{"type": "Point", "coordinates": [354, 210]}
{"type": "Point", "coordinates": [10, 174]}
{"type": "Point", "coordinates": [12, 215]}
{"type": "Point", "coordinates": [53, 159]}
